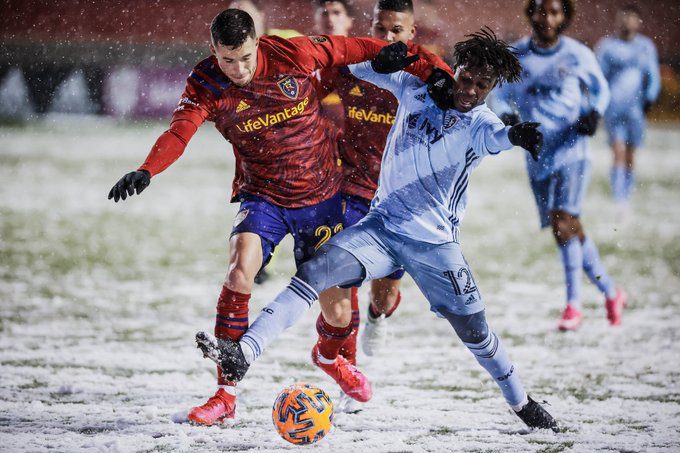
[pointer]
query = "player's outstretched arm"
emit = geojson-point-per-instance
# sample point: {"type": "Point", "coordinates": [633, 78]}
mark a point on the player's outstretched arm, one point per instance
{"type": "Point", "coordinates": [167, 149]}
{"type": "Point", "coordinates": [528, 137]}
{"type": "Point", "coordinates": [311, 53]}
{"type": "Point", "coordinates": [135, 181]}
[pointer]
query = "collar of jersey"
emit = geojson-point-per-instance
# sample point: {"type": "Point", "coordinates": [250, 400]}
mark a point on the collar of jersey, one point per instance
{"type": "Point", "coordinates": [543, 51]}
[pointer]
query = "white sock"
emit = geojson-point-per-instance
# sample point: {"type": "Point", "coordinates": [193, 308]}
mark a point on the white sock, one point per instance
{"type": "Point", "coordinates": [230, 389]}
{"type": "Point", "coordinates": [520, 406]}
{"type": "Point", "coordinates": [248, 352]}
{"type": "Point", "coordinates": [324, 360]}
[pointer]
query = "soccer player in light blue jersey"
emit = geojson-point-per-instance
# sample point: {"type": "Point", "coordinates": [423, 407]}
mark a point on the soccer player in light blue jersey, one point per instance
{"type": "Point", "coordinates": [630, 64]}
{"type": "Point", "coordinates": [562, 88]}
{"type": "Point", "coordinates": [441, 132]}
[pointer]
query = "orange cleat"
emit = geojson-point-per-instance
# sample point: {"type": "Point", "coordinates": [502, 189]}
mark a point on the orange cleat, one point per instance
{"type": "Point", "coordinates": [219, 407]}
{"type": "Point", "coordinates": [350, 380]}
{"type": "Point", "coordinates": [615, 307]}
{"type": "Point", "coordinates": [571, 319]}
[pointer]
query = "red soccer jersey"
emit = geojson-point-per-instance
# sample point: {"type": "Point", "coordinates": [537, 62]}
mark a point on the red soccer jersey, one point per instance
{"type": "Point", "coordinates": [283, 151]}
{"type": "Point", "coordinates": [369, 115]}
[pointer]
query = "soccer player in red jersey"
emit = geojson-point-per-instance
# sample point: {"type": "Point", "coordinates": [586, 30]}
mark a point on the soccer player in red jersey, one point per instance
{"type": "Point", "coordinates": [369, 113]}
{"type": "Point", "coordinates": [260, 96]}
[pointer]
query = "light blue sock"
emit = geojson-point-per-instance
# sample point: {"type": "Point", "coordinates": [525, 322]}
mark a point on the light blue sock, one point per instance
{"type": "Point", "coordinates": [595, 270]}
{"type": "Point", "coordinates": [618, 183]}
{"type": "Point", "coordinates": [279, 315]}
{"type": "Point", "coordinates": [629, 185]}
{"type": "Point", "coordinates": [572, 260]}
{"type": "Point", "coordinates": [491, 355]}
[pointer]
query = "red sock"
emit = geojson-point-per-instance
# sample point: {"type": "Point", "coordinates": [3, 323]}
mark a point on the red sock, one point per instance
{"type": "Point", "coordinates": [374, 313]}
{"type": "Point", "coordinates": [231, 320]}
{"type": "Point", "coordinates": [331, 338]}
{"type": "Point", "coordinates": [349, 347]}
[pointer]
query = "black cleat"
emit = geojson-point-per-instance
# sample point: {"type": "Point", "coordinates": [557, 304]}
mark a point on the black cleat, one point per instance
{"type": "Point", "coordinates": [227, 354]}
{"type": "Point", "coordinates": [535, 416]}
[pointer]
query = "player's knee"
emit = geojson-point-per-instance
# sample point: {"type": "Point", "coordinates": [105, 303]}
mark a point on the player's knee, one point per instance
{"type": "Point", "coordinates": [563, 226]}
{"type": "Point", "coordinates": [314, 271]}
{"type": "Point", "coordinates": [238, 280]}
{"type": "Point", "coordinates": [471, 328]}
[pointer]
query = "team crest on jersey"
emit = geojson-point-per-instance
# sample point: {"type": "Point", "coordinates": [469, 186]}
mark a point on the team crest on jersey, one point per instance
{"type": "Point", "coordinates": [450, 121]}
{"type": "Point", "coordinates": [289, 87]}
{"type": "Point", "coordinates": [240, 217]}
{"type": "Point", "coordinates": [318, 39]}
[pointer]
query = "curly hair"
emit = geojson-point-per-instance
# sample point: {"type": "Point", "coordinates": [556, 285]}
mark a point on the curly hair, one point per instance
{"type": "Point", "coordinates": [484, 50]}
{"type": "Point", "coordinates": [568, 7]}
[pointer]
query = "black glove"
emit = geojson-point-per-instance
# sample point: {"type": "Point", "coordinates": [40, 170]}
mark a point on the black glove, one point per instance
{"type": "Point", "coordinates": [440, 86]}
{"type": "Point", "coordinates": [528, 137]}
{"type": "Point", "coordinates": [587, 124]}
{"type": "Point", "coordinates": [136, 180]}
{"type": "Point", "coordinates": [509, 119]}
{"type": "Point", "coordinates": [647, 106]}
{"type": "Point", "coordinates": [392, 58]}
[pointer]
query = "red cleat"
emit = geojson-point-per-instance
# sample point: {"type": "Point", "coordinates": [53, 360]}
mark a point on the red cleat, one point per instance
{"type": "Point", "coordinates": [571, 319]}
{"type": "Point", "coordinates": [350, 380]}
{"type": "Point", "coordinates": [219, 407]}
{"type": "Point", "coordinates": [615, 307]}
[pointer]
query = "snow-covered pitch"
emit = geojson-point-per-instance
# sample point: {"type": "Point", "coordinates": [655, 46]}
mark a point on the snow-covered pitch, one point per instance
{"type": "Point", "coordinates": [100, 303]}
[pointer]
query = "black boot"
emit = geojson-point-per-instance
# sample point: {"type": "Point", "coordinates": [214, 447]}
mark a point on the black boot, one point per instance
{"type": "Point", "coordinates": [227, 354]}
{"type": "Point", "coordinates": [535, 416]}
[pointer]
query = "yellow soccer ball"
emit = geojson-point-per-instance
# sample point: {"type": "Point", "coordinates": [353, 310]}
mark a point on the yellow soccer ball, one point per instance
{"type": "Point", "coordinates": [302, 414]}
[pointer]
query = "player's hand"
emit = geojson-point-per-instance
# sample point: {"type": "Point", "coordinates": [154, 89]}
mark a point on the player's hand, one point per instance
{"type": "Point", "coordinates": [128, 184]}
{"type": "Point", "coordinates": [509, 119]}
{"type": "Point", "coordinates": [528, 137]}
{"type": "Point", "coordinates": [440, 86]}
{"type": "Point", "coordinates": [392, 58]}
{"type": "Point", "coordinates": [587, 124]}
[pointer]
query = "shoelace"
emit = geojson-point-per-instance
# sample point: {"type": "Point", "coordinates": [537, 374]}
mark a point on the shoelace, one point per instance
{"type": "Point", "coordinates": [348, 373]}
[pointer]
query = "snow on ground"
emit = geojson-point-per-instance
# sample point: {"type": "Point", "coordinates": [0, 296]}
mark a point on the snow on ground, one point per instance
{"type": "Point", "coordinates": [100, 302]}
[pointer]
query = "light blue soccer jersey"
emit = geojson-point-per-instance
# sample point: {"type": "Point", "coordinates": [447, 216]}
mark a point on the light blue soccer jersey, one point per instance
{"type": "Point", "coordinates": [632, 70]}
{"type": "Point", "coordinates": [428, 158]}
{"type": "Point", "coordinates": [557, 86]}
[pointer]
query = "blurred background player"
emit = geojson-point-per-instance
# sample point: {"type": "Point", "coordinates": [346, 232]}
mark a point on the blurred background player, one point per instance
{"type": "Point", "coordinates": [630, 64]}
{"type": "Point", "coordinates": [260, 95]}
{"type": "Point", "coordinates": [564, 89]}
{"type": "Point", "coordinates": [255, 8]}
{"type": "Point", "coordinates": [259, 16]}
{"type": "Point", "coordinates": [441, 134]}
{"type": "Point", "coordinates": [369, 113]}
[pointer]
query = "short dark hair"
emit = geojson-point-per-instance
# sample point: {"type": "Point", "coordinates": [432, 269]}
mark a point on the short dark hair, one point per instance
{"type": "Point", "coordinates": [348, 4]}
{"type": "Point", "coordinates": [484, 50]}
{"type": "Point", "coordinates": [631, 8]}
{"type": "Point", "coordinates": [232, 27]}
{"type": "Point", "coordinates": [398, 6]}
{"type": "Point", "coordinates": [567, 6]}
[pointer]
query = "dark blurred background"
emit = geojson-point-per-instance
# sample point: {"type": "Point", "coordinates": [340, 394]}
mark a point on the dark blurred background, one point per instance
{"type": "Point", "coordinates": [129, 59]}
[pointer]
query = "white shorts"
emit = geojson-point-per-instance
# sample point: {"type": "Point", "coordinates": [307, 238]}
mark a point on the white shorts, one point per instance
{"type": "Point", "coordinates": [439, 270]}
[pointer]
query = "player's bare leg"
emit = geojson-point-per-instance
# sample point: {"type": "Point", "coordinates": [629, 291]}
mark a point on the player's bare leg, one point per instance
{"type": "Point", "coordinates": [245, 259]}
{"type": "Point", "coordinates": [385, 298]}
